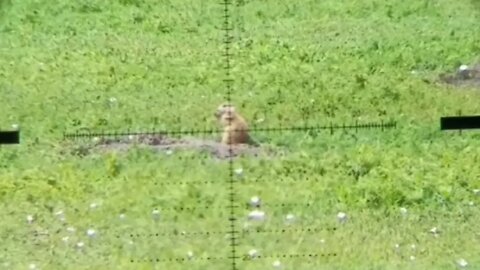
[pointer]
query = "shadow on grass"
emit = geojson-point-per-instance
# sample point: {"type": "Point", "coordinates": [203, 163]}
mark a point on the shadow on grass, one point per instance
{"type": "Point", "coordinates": [4, 3]}
{"type": "Point", "coordinates": [3, 6]}
{"type": "Point", "coordinates": [476, 5]}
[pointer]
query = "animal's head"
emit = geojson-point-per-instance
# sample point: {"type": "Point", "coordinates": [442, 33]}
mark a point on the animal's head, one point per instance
{"type": "Point", "coordinates": [225, 113]}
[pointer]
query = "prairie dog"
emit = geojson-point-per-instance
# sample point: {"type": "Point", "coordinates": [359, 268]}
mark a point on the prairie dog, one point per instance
{"type": "Point", "coordinates": [235, 127]}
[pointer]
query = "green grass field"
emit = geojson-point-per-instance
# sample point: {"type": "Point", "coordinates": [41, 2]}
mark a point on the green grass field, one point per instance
{"type": "Point", "coordinates": [307, 63]}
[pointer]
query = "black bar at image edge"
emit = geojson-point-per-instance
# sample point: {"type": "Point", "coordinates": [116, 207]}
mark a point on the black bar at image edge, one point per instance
{"type": "Point", "coordinates": [10, 137]}
{"type": "Point", "coordinates": [460, 122]}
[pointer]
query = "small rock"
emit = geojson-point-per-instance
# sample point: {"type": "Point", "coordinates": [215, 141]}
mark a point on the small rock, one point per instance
{"type": "Point", "coordinates": [463, 67]}
{"type": "Point", "coordinates": [189, 255]}
{"type": "Point", "coordinates": [30, 219]}
{"type": "Point", "coordinates": [342, 217]}
{"type": "Point", "coordinates": [260, 120]}
{"type": "Point", "coordinates": [403, 210]}
{"type": "Point", "coordinates": [32, 266]}
{"type": "Point", "coordinates": [80, 245]}
{"type": "Point", "coordinates": [156, 214]}
{"type": "Point", "coordinates": [255, 201]}
{"type": "Point", "coordinates": [412, 258]}
{"type": "Point", "coordinates": [462, 263]}
{"type": "Point", "coordinates": [60, 215]}
{"type": "Point", "coordinates": [289, 218]}
{"type": "Point", "coordinates": [91, 232]}
{"type": "Point", "coordinates": [253, 253]}
{"type": "Point", "coordinates": [239, 172]}
{"type": "Point", "coordinates": [256, 215]}
{"type": "Point", "coordinates": [277, 265]}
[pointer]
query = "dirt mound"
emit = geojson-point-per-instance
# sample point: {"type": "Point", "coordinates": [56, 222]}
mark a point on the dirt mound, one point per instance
{"type": "Point", "coordinates": [165, 144]}
{"type": "Point", "coordinates": [464, 76]}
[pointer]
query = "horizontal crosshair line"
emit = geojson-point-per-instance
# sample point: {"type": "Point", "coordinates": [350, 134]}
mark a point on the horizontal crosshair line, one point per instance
{"type": "Point", "coordinates": [215, 233]}
{"type": "Point", "coordinates": [174, 233]}
{"type": "Point", "coordinates": [197, 182]}
{"type": "Point", "coordinates": [247, 206]}
{"type": "Point", "coordinates": [258, 179]}
{"type": "Point", "coordinates": [291, 256]}
{"type": "Point", "coordinates": [331, 127]}
{"type": "Point", "coordinates": [289, 180]}
{"type": "Point", "coordinates": [244, 258]}
{"type": "Point", "coordinates": [281, 231]}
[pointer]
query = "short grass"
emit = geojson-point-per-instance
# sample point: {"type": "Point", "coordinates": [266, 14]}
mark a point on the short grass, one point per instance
{"type": "Point", "coordinates": [307, 63]}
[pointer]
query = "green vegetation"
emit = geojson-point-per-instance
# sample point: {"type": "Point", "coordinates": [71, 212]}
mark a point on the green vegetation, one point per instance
{"type": "Point", "coordinates": [313, 62]}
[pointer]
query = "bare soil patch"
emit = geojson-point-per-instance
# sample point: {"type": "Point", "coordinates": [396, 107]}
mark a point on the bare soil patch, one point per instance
{"type": "Point", "coordinates": [464, 76]}
{"type": "Point", "coordinates": [162, 143]}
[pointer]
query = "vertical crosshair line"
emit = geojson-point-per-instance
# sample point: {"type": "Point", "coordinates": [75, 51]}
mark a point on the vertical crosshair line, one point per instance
{"type": "Point", "coordinates": [228, 84]}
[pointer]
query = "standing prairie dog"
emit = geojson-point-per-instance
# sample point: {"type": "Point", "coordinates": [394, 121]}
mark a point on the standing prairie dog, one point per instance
{"type": "Point", "coordinates": [235, 127]}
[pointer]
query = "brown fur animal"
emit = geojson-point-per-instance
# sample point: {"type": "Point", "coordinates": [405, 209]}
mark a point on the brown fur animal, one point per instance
{"type": "Point", "coordinates": [235, 127]}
